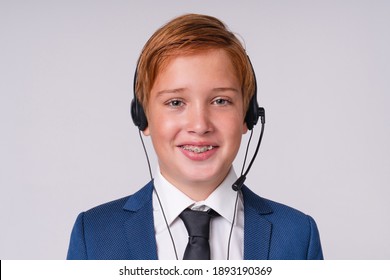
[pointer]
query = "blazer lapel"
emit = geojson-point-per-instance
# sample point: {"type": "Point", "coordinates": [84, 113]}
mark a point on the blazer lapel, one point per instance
{"type": "Point", "coordinates": [139, 227]}
{"type": "Point", "coordinates": [257, 229]}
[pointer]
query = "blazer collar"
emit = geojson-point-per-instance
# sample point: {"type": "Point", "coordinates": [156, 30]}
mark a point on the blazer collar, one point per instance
{"type": "Point", "coordinates": [139, 227]}
{"type": "Point", "coordinates": [257, 229]}
{"type": "Point", "coordinates": [140, 199]}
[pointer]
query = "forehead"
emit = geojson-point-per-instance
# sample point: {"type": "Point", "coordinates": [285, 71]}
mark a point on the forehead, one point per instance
{"type": "Point", "coordinates": [208, 67]}
{"type": "Point", "coordinates": [205, 56]}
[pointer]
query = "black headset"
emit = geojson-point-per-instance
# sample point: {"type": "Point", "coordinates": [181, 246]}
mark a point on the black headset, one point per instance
{"type": "Point", "coordinates": [251, 118]}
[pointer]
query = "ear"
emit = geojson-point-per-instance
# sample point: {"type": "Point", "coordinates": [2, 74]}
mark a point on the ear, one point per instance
{"type": "Point", "coordinates": [146, 132]}
{"type": "Point", "coordinates": [244, 128]}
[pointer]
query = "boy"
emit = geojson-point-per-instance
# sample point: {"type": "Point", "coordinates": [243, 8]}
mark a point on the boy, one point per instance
{"type": "Point", "coordinates": [193, 86]}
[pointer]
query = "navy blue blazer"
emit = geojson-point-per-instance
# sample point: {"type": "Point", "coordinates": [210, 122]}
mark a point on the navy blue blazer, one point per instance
{"type": "Point", "coordinates": [124, 229]}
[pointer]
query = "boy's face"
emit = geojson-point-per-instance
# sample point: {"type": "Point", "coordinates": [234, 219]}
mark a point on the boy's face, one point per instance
{"type": "Point", "coordinates": [196, 120]}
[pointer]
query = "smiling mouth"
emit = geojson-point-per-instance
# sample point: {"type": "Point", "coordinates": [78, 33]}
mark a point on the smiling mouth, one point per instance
{"type": "Point", "coordinates": [197, 149]}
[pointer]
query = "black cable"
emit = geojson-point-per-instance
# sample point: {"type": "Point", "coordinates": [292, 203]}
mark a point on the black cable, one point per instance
{"type": "Point", "coordinates": [246, 152]}
{"type": "Point", "coordinates": [146, 154]}
{"type": "Point", "coordinates": [231, 228]}
{"type": "Point", "coordinates": [166, 223]}
{"type": "Point", "coordinates": [235, 204]}
{"type": "Point", "coordinates": [257, 149]}
{"type": "Point", "coordinates": [158, 197]}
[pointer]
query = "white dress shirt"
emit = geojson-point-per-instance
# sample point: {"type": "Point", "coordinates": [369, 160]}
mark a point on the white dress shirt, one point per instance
{"type": "Point", "coordinates": [173, 201]}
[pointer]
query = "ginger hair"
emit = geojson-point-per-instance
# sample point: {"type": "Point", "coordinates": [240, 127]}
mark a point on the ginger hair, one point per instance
{"type": "Point", "coordinates": [191, 34]}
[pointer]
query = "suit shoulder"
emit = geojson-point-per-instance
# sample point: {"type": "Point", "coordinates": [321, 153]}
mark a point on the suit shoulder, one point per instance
{"type": "Point", "coordinates": [294, 233]}
{"type": "Point", "coordinates": [278, 210]}
{"type": "Point", "coordinates": [284, 209]}
{"type": "Point", "coordinates": [111, 206]}
{"type": "Point", "coordinates": [116, 207]}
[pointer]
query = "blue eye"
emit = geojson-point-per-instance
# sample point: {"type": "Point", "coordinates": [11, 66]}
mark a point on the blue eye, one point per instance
{"type": "Point", "coordinates": [221, 101]}
{"type": "Point", "coordinates": [175, 103]}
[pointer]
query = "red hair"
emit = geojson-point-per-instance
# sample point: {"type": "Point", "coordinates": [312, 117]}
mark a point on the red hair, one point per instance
{"type": "Point", "coordinates": [189, 34]}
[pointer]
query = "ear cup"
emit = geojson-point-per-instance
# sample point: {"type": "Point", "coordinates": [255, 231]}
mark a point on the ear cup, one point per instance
{"type": "Point", "coordinates": [252, 114]}
{"type": "Point", "coordinates": [254, 111]}
{"type": "Point", "coordinates": [137, 111]}
{"type": "Point", "coordinates": [138, 114]}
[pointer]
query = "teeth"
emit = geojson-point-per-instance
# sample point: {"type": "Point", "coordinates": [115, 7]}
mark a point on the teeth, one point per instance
{"type": "Point", "coordinates": [197, 149]}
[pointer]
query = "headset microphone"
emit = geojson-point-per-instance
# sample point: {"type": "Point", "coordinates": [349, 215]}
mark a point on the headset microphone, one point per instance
{"type": "Point", "coordinates": [240, 181]}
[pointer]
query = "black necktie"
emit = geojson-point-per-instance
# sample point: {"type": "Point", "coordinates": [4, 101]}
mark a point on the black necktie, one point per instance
{"type": "Point", "coordinates": [198, 227]}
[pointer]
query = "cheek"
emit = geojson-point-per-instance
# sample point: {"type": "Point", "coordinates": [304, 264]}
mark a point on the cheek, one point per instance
{"type": "Point", "coordinates": [236, 139]}
{"type": "Point", "coordinates": [163, 126]}
{"type": "Point", "coordinates": [233, 131]}
{"type": "Point", "coordinates": [235, 122]}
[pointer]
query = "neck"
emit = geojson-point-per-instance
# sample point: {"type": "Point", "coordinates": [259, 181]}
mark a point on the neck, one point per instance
{"type": "Point", "coordinates": [196, 190]}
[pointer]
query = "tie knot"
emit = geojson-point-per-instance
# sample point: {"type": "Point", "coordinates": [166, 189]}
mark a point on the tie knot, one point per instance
{"type": "Point", "coordinates": [197, 223]}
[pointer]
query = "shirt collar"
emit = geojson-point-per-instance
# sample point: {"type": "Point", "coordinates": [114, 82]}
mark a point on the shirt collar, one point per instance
{"type": "Point", "coordinates": [221, 200]}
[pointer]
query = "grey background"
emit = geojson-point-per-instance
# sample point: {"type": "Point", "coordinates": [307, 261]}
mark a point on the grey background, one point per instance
{"type": "Point", "coordinates": [67, 142]}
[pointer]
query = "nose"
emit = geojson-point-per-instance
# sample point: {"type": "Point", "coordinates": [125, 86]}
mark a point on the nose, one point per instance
{"type": "Point", "coordinates": [198, 119]}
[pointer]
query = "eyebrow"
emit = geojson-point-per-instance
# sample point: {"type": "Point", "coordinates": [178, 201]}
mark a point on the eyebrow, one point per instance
{"type": "Point", "coordinates": [226, 89]}
{"type": "Point", "coordinates": [167, 91]}
{"type": "Point", "coordinates": [180, 90]}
